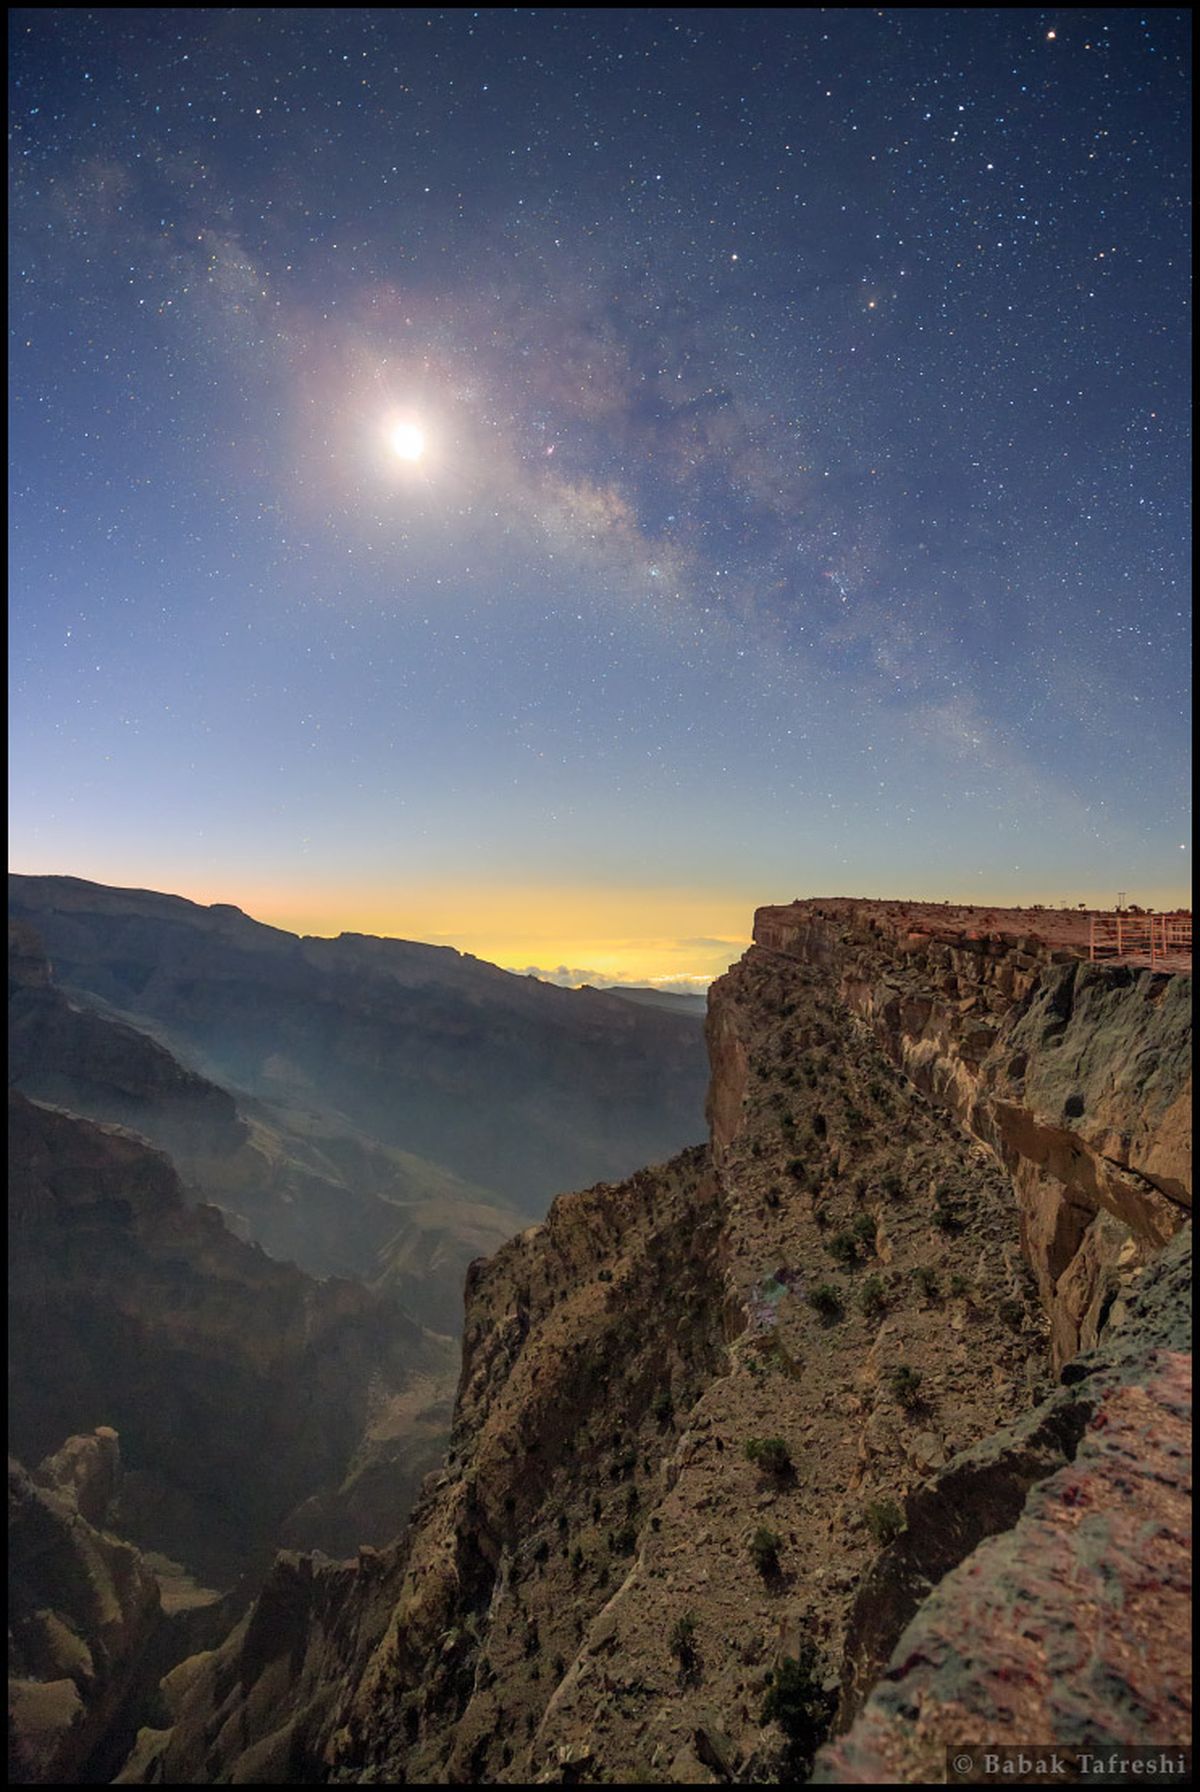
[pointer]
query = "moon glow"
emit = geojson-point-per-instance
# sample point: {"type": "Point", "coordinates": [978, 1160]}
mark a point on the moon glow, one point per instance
{"type": "Point", "coordinates": [407, 441]}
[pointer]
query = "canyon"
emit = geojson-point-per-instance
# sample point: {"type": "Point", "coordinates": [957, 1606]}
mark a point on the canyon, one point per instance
{"type": "Point", "coordinates": [808, 1450]}
{"type": "Point", "coordinates": [239, 1295]}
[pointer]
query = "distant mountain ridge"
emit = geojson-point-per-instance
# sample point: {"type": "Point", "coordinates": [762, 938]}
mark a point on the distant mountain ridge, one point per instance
{"type": "Point", "coordinates": [496, 1091]}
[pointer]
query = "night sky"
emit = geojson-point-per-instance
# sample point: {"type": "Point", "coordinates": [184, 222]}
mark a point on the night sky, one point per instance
{"type": "Point", "coordinates": [551, 480]}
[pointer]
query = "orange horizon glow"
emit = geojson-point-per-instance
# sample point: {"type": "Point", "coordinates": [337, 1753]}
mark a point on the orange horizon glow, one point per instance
{"type": "Point", "coordinates": [624, 933]}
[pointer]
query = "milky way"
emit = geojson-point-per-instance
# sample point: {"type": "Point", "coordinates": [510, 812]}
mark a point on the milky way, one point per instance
{"type": "Point", "coordinates": [800, 503]}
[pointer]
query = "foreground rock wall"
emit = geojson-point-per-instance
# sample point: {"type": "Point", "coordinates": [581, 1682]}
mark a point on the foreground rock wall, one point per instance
{"type": "Point", "coordinates": [1071, 1622]}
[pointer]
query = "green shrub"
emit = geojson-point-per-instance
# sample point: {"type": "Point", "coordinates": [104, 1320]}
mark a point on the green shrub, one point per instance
{"type": "Point", "coordinates": [1013, 1313]}
{"type": "Point", "coordinates": [842, 1248]}
{"type": "Point", "coordinates": [959, 1285]}
{"type": "Point", "coordinates": [926, 1281]}
{"type": "Point", "coordinates": [864, 1232]}
{"type": "Point", "coordinates": [873, 1296]}
{"type": "Point", "coordinates": [605, 1275]}
{"type": "Point", "coordinates": [663, 1407]}
{"type": "Point", "coordinates": [803, 1710]}
{"type": "Point", "coordinates": [764, 1552]}
{"type": "Point", "coordinates": [771, 1454]}
{"type": "Point", "coordinates": [825, 1300]}
{"type": "Point", "coordinates": [905, 1384]}
{"type": "Point", "coordinates": [884, 1519]}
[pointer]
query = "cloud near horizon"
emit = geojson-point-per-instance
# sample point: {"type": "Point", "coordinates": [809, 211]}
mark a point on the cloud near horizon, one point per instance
{"type": "Point", "coordinates": [681, 984]}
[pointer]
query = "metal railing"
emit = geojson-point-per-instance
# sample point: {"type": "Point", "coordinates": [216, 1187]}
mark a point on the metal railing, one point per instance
{"type": "Point", "coordinates": [1128, 935]}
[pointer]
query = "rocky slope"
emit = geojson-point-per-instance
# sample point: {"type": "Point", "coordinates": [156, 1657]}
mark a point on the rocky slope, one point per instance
{"type": "Point", "coordinates": [93, 1623]}
{"type": "Point", "coordinates": [719, 1428]}
{"type": "Point", "coordinates": [516, 1087]}
{"type": "Point", "coordinates": [240, 1387]}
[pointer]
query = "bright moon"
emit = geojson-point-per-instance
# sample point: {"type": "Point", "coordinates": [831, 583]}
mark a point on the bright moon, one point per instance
{"type": "Point", "coordinates": [408, 442]}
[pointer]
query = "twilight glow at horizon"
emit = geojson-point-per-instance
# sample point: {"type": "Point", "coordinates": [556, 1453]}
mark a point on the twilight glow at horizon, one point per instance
{"type": "Point", "coordinates": [553, 481]}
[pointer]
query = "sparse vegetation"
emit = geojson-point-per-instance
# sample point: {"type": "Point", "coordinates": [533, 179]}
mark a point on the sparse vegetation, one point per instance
{"type": "Point", "coordinates": [873, 1296]}
{"type": "Point", "coordinates": [959, 1285]}
{"type": "Point", "coordinates": [770, 1454]}
{"type": "Point", "coordinates": [843, 1248]}
{"type": "Point", "coordinates": [905, 1383]}
{"type": "Point", "coordinates": [764, 1552]}
{"type": "Point", "coordinates": [825, 1300]}
{"type": "Point", "coordinates": [864, 1233]}
{"type": "Point", "coordinates": [797, 1702]}
{"type": "Point", "coordinates": [926, 1281]}
{"type": "Point", "coordinates": [884, 1519]}
{"type": "Point", "coordinates": [1013, 1313]}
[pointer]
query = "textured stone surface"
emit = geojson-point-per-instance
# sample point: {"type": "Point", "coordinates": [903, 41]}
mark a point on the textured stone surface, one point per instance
{"type": "Point", "coordinates": [1071, 1623]}
{"type": "Point", "coordinates": [84, 1610]}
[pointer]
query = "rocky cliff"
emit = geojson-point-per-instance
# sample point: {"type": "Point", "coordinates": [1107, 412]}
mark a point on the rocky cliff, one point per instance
{"type": "Point", "coordinates": [94, 1624]}
{"type": "Point", "coordinates": [1077, 1076]}
{"type": "Point", "coordinates": [240, 1386]}
{"type": "Point", "coordinates": [721, 1427]}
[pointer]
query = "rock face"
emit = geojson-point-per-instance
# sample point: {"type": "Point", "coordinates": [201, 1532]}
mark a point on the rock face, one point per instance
{"type": "Point", "coordinates": [84, 1610]}
{"type": "Point", "coordinates": [721, 1427]}
{"type": "Point", "coordinates": [1070, 1622]}
{"type": "Point", "coordinates": [239, 1386]}
{"type": "Point", "coordinates": [517, 1087]}
{"type": "Point", "coordinates": [1078, 1076]}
